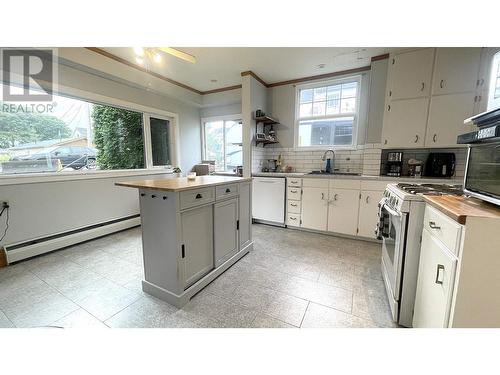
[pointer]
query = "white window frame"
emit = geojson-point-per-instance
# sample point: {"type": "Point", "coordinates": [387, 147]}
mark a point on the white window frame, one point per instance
{"type": "Point", "coordinates": [236, 117]}
{"type": "Point", "coordinates": [74, 93]}
{"type": "Point", "coordinates": [148, 148]}
{"type": "Point", "coordinates": [353, 146]}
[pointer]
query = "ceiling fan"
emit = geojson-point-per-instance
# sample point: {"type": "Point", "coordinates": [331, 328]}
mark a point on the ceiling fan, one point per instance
{"type": "Point", "coordinates": [154, 54]}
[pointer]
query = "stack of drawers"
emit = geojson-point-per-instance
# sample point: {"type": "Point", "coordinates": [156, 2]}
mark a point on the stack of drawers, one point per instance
{"type": "Point", "coordinates": [294, 201]}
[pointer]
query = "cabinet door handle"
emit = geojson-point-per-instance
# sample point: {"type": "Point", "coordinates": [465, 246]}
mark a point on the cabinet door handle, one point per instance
{"type": "Point", "coordinates": [482, 81]}
{"type": "Point", "coordinates": [388, 108]}
{"type": "Point", "coordinates": [293, 191]}
{"type": "Point", "coordinates": [433, 225]}
{"type": "Point", "coordinates": [393, 61]}
{"type": "Point", "coordinates": [293, 204]}
{"type": "Point", "coordinates": [390, 93]}
{"type": "Point", "coordinates": [441, 84]}
{"type": "Point", "coordinates": [228, 190]}
{"type": "Point", "coordinates": [385, 142]}
{"type": "Point", "coordinates": [423, 86]}
{"type": "Point", "coordinates": [416, 138]}
{"type": "Point", "coordinates": [438, 273]}
{"type": "Point", "coordinates": [479, 98]}
{"type": "Point", "coordinates": [335, 197]}
{"type": "Point", "coordinates": [322, 196]}
{"type": "Point", "coordinates": [292, 218]}
{"type": "Point", "coordinates": [434, 138]}
{"type": "Point", "coordinates": [199, 196]}
{"type": "Point", "coordinates": [183, 251]}
{"type": "Point", "coordinates": [367, 199]}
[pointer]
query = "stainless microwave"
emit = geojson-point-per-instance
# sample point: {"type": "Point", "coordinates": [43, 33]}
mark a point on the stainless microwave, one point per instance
{"type": "Point", "coordinates": [482, 171]}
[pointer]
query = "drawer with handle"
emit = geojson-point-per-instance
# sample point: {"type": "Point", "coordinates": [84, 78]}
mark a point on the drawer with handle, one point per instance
{"type": "Point", "coordinates": [293, 207]}
{"type": "Point", "coordinates": [226, 191]}
{"type": "Point", "coordinates": [191, 198]}
{"type": "Point", "coordinates": [293, 182]}
{"type": "Point", "coordinates": [294, 193]}
{"type": "Point", "coordinates": [442, 227]}
{"type": "Point", "coordinates": [293, 220]}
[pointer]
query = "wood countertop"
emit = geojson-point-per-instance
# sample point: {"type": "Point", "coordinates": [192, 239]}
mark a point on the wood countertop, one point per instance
{"type": "Point", "coordinates": [460, 207]}
{"type": "Point", "coordinates": [182, 183]}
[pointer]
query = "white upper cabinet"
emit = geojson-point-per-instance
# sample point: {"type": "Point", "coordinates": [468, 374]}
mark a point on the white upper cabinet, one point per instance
{"type": "Point", "coordinates": [456, 70]}
{"type": "Point", "coordinates": [446, 119]}
{"type": "Point", "coordinates": [404, 123]}
{"type": "Point", "coordinates": [410, 74]}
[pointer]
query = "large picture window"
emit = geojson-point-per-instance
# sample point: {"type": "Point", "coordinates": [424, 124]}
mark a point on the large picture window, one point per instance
{"type": "Point", "coordinates": [222, 143]}
{"type": "Point", "coordinates": [327, 114]}
{"type": "Point", "coordinates": [78, 135]}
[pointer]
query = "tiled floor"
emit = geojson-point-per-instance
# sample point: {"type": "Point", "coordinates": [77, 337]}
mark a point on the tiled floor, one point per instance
{"type": "Point", "coordinates": [291, 279]}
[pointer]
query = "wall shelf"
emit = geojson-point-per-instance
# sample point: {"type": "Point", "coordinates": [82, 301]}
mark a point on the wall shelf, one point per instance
{"type": "Point", "coordinates": [265, 142]}
{"type": "Point", "coordinates": [266, 120]}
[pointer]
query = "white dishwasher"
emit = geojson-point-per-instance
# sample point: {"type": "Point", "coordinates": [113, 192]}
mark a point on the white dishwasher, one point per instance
{"type": "Point", "coordinates": [268, 200]}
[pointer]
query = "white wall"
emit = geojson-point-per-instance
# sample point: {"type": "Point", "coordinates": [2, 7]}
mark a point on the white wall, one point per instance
{"type": "Point", "coordinates": [43, 209]}
{"type": "Point", "coordinates": [224, 110]}
{"type": "Point", "coordinates": [376, 101]}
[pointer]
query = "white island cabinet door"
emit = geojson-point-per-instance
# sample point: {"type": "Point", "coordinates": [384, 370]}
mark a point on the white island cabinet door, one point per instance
{"type": "Point", "coordinates": [436, 276]}
{"type": "Point", "coordinates": [343, 211]}
{"type": "Point", "coordinates": [368, 209]}
{"type": "Point", "coordinates": [314, 208]}
{"type": "Point", "coordinates": [225, 230]}
{"type": "Point", "coordinates": [197, 243]}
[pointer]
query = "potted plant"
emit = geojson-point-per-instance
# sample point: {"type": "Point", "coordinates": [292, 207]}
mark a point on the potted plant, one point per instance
{"type": "Point", "coordinates": [177, 172]}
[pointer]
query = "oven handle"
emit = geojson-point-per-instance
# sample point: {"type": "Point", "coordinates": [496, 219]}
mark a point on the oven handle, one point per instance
{"type": "Point", "coordinates": [390, 210]}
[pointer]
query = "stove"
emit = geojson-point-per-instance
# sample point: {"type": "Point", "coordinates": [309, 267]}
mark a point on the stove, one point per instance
{"type": "Point", "coordinates": [431, 189]}
{"type": "Point", "coordinates": [401, 216]}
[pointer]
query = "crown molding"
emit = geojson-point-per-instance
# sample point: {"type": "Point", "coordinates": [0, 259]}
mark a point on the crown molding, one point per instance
{"type": "Point", "coordinates": [380, 57]}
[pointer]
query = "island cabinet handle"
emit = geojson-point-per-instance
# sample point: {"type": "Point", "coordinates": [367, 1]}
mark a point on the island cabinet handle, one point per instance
{"type": "Point", "coordinates": [183, 250]}
{"type": "Point", "coordinates": [228, 190]}
{"type": "Point", "coordinates": [199, 196]}
{"type": "Point", "coordinates": [293, 204]}
{"type": "Point", "coordinates": [433, 225]}
{"type": "Point", "coordinates": [143, 194]}
{"type": "Point", "coordinates": [153, 196]}
{"type": "Point", "coordinates": [438, 273]}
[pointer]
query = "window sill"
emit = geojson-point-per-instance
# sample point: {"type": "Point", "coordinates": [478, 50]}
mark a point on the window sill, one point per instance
{"type": "Point", "coordinates": [324, 148]}
{"type": "Point", "coordinates": [33, 178]}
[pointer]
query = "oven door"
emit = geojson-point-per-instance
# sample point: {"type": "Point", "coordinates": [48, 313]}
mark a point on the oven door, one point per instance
{"type": "Point", "coordinates": [393, 247]}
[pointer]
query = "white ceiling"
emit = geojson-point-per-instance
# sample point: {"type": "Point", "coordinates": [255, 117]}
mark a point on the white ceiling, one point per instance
{"type": "Point", "coordinates": [272, 64]}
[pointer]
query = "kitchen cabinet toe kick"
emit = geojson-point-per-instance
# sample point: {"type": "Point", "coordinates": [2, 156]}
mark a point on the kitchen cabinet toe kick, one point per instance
{"type": "Point", "coordinates": [179, 300]}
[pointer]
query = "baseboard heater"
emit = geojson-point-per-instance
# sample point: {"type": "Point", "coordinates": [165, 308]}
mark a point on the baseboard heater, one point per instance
{"type": "Point", "coordinates": [27, 249]}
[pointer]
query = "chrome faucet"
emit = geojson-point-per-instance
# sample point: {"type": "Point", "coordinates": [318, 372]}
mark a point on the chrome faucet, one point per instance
{"type": "Point", "coordinates": [329, 167]}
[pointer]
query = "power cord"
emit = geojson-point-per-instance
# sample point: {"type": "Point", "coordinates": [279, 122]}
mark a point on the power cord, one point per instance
{"type": "Point", "coordinates": [5, 207]}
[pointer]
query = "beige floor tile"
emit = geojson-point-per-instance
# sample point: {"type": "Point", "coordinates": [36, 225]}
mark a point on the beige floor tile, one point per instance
{"type": "Point", "coordinates": [266, 321]}
{"type": "Point", "coordinates": [79, 319]}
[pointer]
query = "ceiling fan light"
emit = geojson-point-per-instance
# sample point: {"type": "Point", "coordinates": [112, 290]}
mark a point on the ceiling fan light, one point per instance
{"type": "Point", "coordinates": [157, 58]}
{"type": "Point", "coordinates": [139, 51]}
{"type": "Point", "coordinates": [139, 60]}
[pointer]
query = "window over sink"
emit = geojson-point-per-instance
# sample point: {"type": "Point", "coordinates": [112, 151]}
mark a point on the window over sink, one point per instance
{"type": "Point", "coordinates": [327, 114]}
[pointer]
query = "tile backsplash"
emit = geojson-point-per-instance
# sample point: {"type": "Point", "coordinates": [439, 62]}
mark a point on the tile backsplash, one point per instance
{"type": "Point", "coordinates": [365, 159]}
{"type": "Point", "coordinates": [368, 159]}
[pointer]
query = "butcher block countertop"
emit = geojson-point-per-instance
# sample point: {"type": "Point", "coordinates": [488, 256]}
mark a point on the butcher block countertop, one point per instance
{"type": "Point", "coordinates": [182, 183]}
{"type": "Point", "coordinates": [460, 207]}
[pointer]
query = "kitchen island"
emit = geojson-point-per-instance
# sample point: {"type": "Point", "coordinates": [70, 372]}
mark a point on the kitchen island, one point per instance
{"type": "Point", "coordinates": [192, 231]}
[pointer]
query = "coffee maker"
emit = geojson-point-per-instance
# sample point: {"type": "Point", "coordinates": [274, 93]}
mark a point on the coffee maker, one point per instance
{"type": "Point", "coordinates": [394, 164]}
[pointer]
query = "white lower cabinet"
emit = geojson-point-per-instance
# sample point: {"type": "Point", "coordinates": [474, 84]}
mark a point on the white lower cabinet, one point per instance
{"type": "Point", "coordinates": [197, 240]}
{"type": "Point", "coordinates": [436, 276]}
{"type": "Point", "coordinates": [368, 208]}
{"type": "Point", "coordinates": [225, 230]}
{"type": "Point", "coordinates": [314, 208]}
{"type": "Point", "coordinates": [244, 217]}
{"type": "Point", "coordinates": [343, 211]}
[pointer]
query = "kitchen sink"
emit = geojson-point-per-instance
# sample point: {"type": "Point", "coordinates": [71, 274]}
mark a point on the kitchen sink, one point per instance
{"type": "Point", "coordinates": [335, 173]}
